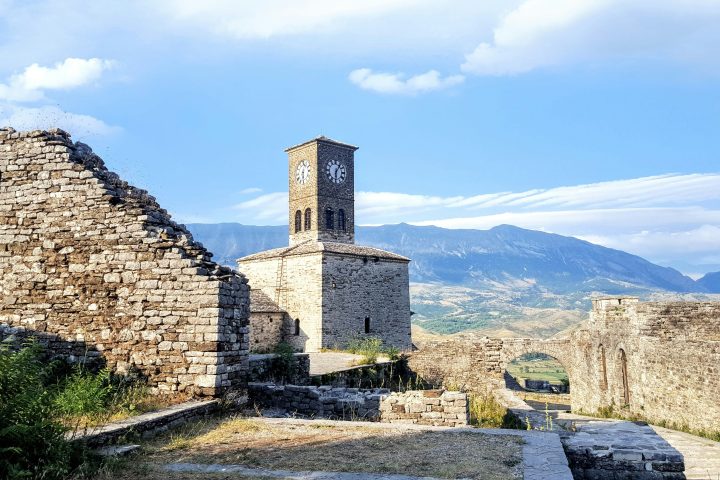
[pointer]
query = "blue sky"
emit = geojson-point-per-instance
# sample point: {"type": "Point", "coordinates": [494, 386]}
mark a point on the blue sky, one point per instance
{"type": "Point", "coordinates": [593, 118]}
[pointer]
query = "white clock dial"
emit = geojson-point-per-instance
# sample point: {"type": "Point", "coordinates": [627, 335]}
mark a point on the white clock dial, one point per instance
{"type": "Point", "coordinates": [336, 171]}
{"type": "Point", "coordinates": [302, 173]}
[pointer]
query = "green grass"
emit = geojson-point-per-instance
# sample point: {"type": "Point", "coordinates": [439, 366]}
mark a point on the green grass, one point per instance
{"type": "Point", "coordinates": [487, 412]}
{"type": "Point", "coordinates": [542, 368]}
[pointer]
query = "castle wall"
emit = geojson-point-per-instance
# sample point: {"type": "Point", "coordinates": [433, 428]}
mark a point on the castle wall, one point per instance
{"type": "Point", "coordinates": [670, 372]}
{"type": "Point", "coordinates": [355, 288]}
{"type": "Point", "coordinates": [90, 264]}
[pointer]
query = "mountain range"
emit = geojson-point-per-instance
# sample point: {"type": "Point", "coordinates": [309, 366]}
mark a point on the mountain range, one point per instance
{"type": "Point", "coordinates": [488, 279]}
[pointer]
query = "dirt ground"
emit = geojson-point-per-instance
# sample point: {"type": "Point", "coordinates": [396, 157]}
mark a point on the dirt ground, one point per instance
{"type": "Point", "coordinates": [255, 443]}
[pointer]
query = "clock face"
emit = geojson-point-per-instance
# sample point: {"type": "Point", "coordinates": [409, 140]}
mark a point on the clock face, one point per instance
{"type": "Point", "coordinates": [302, 173]}
{"type": "Point", "coordinates": [335, 171]}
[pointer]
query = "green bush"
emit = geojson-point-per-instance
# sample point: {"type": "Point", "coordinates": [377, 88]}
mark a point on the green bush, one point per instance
{"type": "Point", "coordinates": [285, 365]}
{"type": "Point", "coordinates": [32, 443]}
{"type": "Point", "coordinates": [368, 348]}
{"type": "Point", "coordinates": [83, 394]}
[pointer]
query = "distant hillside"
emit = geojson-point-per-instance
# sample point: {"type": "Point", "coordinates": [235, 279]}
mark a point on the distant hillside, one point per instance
{"type": "Point", "coordinates": [503, 254]}
{"type": "Point", "coordinates": [506, 280]}
{"type": "Point", "coordinates": [711, 282]}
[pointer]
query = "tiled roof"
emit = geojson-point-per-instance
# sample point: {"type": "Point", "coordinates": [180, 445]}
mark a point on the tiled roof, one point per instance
{"type": "Point", "coordinates": [327, 247]}
{"type": "Point", "coordinates": [259, 302]}
{"type": "Point", "coordinates": [322, 138]}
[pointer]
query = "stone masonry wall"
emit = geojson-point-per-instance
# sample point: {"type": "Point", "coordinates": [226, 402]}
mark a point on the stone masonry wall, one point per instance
{"type": "Point", "coordinates": [355, 288]}
{"type": "Point", "coordinates": [670, 372]}
{"type": "Point", "coordinates": [90, 264]}
{"type": "Point", "coordinates": [429, 407]}
{"type": "Point", "coordinates": [302, 302]}
{"type": "Point", "coordinates": [426, 407]}
{"type": "Point", "coordinates": [267, 330]}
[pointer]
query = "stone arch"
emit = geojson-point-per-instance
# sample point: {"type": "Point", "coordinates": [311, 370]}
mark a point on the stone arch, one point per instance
{"type": "Point", "coordinates": [308, 219]}
{"type": "Point", "coordinates": [621, 375]}
{"type": "Point", "coordinates": [298, 221]}
{"type": "Point", "coordinates": [560, 350]}
{"type": "Point", "coordinates": [602, 364]}
{"type": "Point", "coordinates": [329, 219]}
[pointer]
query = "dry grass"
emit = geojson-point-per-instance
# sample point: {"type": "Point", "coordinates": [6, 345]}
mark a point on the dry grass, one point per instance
{"type": "Point", "coordinates": [315, 447]}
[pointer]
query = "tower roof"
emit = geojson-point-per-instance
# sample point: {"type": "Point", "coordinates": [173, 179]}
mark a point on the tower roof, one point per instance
{"type": "Point", "coordinates": [323, 139]}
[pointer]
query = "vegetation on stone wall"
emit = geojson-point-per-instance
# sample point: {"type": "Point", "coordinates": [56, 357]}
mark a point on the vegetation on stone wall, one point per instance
{"type": "Point", "coordinates": [487, 412]}
{"type": "Point", "coordinates": [41, 401]}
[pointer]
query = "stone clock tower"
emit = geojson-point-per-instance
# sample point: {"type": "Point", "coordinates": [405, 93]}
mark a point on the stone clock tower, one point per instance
{"type": "Point", "coordinates": [323, 290]}
{"type": "Point", "coordinates": [321, 191]}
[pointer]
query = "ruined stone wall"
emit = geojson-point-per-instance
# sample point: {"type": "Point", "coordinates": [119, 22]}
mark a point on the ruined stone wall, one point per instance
{"type": "Point", "coordinates": [356, 288]}
{"type": "Point", "coordinates": [93, 265]}
{"type": "Point", "coordinates": [670, 372]}
{"type": "Point", "coordinates": [672, 361]}
{"type": "Point", "coordinates": [426, 407]}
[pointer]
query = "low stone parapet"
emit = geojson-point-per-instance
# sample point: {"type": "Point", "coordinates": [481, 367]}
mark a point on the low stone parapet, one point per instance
{"type": "Point", "coordinates": [267, 368]}
{"type": "Point", "coordinates": [426, 407]}
{"type": "Point", "coordinates": [422, 407]}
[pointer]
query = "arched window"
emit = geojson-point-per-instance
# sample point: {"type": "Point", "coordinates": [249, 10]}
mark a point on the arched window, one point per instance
{"type": "Point", "coordinates": [367, 324]}
{"type": "Point", "coordinates": [341, 220]}
{"type": "Point", "coordinates": [298, 221]}
{"type": "Point", "coordinates": [308, 219]}
{"type": "Point", "coordinates": [329, 219]}
{"type": "Point", "coordinates": [624, 377]}
{"type": "Point", "coordinates": [603, 369]}
{"type": "Point", "coordinates": [297, 327]}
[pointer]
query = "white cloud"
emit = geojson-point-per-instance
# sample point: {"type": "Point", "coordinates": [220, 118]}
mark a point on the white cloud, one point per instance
{"type": "Point", "coordinates": [396, 83]}
{"type": "Point", "coordinates": [49, 116]}
{"type": "Point", "coordinates": [269, 207]}
{"type": "Point", "coordinates": [271, 18]}
{"type": "Point", "coordinates": [71, 73]}
{"type": "Point", "coordinates": [30, 85]}
{"type": "Point", "coordinates": [542, 33]}
{"type": "Point", "coordinates": [250, 190]}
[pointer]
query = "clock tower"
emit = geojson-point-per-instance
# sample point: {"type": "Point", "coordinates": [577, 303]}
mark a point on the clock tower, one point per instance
{"type": "Point", "coordinates": [321, 191]}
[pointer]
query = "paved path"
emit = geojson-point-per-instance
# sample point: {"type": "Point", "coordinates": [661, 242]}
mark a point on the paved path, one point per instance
{"type": "Point", "coordinates": [322, 363]}
{"type": "Point", "coordinates": [702, 456]}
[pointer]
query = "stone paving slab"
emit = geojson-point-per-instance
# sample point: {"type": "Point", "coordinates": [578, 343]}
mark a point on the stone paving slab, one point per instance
{"type": "Point", "coordinates": [284, 474]}
{"type": "Point", "coordinates": [322, 363]}
{"type": "Point", "coordinates": [702, 456]}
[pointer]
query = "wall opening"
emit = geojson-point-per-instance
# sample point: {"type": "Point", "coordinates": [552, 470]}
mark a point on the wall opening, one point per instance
{"type": "Point", "coordinates": [308, 219]}
{"type": "Point", "coordinates": [624, 390]}
{"type": "Point", "coordinates": [329, 219]}
{"type": "Point", "coordinates": [603, 369]}
{"type": "Point", "coordinates": [341, 220]}
{"type": "Point", "coordinates": [367, 324]}
{"type": "Point", "coordinates": [538, 378]}
{"type": "Point", "coordinates": [298, 221]}
{"type": "Point", "coordinates": [297, 327]}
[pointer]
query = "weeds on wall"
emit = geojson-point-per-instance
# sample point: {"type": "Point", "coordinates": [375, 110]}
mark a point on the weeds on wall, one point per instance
{"type": "Point", "coordinates": [41, 401]}
{"type": "Point", "coordinates": [487, 412]}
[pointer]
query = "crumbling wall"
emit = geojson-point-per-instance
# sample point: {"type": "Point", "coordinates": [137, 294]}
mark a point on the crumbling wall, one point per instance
{"type": "Point", "coordinates": [93, 266]}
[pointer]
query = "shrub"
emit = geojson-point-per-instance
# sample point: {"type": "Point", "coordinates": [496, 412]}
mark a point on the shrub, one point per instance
{"type": "Point", "coordinates": [284, 365]}
{"type": "Point", "coordinates": [368, 348]}
{"type": "Point", "coordinates": [487, 412]}
{"type": "Point", "coordinates": [32, 443]}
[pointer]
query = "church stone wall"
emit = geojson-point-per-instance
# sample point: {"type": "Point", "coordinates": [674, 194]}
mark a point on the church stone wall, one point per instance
{"type": "Point", "coordinates": [300, 294]}
{"type": "Point", "coordinates": [90, 264]}
{"type": "Point", "coordinates": [358, 287]}
{"type": "Point", "coordinates": [267, 330]}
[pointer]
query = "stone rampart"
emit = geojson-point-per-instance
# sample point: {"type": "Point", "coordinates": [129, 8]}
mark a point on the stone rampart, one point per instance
{"type": "Point", "coordinates": [655, 360]}
{"type": "Point", "coordinates": [94, 266]}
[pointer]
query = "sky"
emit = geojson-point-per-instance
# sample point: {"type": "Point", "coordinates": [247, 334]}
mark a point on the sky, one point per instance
{"type": "Point", "coordinates": [598, 119]}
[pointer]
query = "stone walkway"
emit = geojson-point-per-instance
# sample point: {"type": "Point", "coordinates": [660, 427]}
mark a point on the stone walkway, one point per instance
{"type": "Point", "coordinates": [322, 363]}
{"type": "Point", "coordinates": [284, 474]}
{"type": "Point", "coordinates": [702, 456]}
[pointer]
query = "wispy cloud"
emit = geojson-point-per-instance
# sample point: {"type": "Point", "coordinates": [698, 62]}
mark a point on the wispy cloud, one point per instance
{"type": "Point", "coordinates": [250, 190]}
{"type": "Point", "coordinates": [34, 118]}
{"type": "Point", "coordinates": [396, 83]}
{"type": "Point", "coordinates": [543, 33]}
{"type": "Point", "coordinates": [663, 217]}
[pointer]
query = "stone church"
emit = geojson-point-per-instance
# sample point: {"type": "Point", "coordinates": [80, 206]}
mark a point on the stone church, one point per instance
{"type": "Point", "coordinates": [323, 291]}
